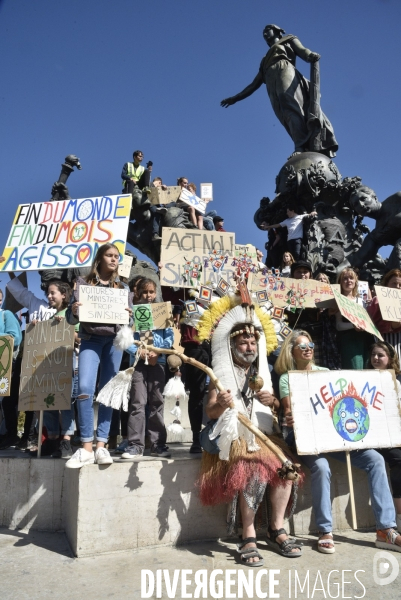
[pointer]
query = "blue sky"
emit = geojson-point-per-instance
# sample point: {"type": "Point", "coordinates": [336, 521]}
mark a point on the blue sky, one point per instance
{"type": "Point", "coordinates": [101, 79]}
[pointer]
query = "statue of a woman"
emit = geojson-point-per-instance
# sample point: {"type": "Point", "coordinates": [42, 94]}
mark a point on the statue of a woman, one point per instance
{"type": "Point", "coordinates": [288, 90]}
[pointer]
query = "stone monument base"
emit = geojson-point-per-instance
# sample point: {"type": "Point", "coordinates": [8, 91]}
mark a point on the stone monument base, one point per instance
{"type": "Point", "coordinates": [149, 502]}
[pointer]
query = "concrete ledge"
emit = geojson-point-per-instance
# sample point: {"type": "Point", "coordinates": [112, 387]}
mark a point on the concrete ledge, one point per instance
{"type": "Point", "coordinates": [149, 502]}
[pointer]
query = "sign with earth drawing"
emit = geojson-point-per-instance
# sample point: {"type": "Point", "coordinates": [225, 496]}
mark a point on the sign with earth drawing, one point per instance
{"type": "Point", "coordinates": [46, 370]}
{"type": "Point", "coordinates": [344, 410]}
{"type": "Point", "coordinates": [158, 315]}
{"type": "Point", "coordinates": [6, 364]}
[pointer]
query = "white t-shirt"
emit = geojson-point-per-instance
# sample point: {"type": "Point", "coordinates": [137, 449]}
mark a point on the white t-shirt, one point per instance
{"type": "Point", "coordinates": [295, 227]}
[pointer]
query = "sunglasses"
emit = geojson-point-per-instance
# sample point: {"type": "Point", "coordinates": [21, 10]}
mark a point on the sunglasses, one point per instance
{"type": "Point", "coordinates": [311, 345]}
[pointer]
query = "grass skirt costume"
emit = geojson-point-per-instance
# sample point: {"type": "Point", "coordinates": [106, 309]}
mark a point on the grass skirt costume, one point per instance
{"type": "Point", "coordinates": [246, 466]}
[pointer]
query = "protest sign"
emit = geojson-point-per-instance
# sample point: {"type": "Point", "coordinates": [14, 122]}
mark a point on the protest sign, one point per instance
{"type": "Point", "coordinates": [193, 200]}
{"type": "Point", "coordinates": [124, 268]}
{"type": "Point", "coordinates": [6, 364]}
{"type": "Point", "coordinates": [206, 192]}
{"type": "Point", "coordinates": [191, 257]}
{"type": "Point", "coordinates": [157, 315]}
{"type": "Point", "coordinates": [65, 234]}
{"type": "Point", "coordinates": [159, 196]}
{"type": "Point", "coordinates": [46, 370]}
{"type": "Point", "coordinates": [389, 302]}
{"type": "Point", "coordinates": [284, 291]}
{"type": "Point", "coordinates": [344, 410]}
{"type": "Point", "coordinates": [355, 313]}
{"type": "Point", "coordinates": [363, 290]}
{"type": "Point", "coordinates": [103, 305]}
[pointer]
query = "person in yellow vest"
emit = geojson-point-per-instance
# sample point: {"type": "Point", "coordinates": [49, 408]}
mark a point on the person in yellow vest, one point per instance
{"type": "Point", "coordinates": [134, 174]}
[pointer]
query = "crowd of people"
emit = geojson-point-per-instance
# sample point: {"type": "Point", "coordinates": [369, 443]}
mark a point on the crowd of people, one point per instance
{"type": "Point", "coordinates": [234, 338]}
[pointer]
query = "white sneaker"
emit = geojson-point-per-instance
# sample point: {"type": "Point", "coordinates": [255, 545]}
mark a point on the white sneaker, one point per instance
{"type": "Point", "coordinates": [102, 457]}
{"type": "Point", "coordinates": [80, 458]}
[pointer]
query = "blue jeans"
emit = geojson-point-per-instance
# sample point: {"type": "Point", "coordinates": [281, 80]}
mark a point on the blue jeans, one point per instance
{"type": "Point", "coordinates": [95, 350]}
{"type": "Point", "coordinates": [52, 424]}
{"type": "Point", "coordinates": [368, 460]}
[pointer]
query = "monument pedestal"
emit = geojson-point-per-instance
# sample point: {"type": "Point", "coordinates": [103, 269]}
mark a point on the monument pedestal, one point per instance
{"type": "Point", "coordinates": [150, 502]}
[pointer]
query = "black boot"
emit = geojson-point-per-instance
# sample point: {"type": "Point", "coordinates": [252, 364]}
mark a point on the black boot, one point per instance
{"type": "Point", "coordinates": [196, 448]}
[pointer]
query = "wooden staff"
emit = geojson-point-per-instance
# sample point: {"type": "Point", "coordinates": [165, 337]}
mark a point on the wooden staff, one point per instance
{"type": "Point", "coordinates": [351, 490]}
{"type": "Point", "coordinates": [288, 470]}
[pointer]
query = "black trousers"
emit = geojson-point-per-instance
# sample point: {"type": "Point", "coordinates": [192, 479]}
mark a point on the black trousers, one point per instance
{"type": "Point", "coordinates": [392, 456]}
{"type": "Point", "coordinates": [295, 247]}
{"type": "Point", "coordinates": [195, 383]}
{"type": "Point", "coordinates": [10, 406]}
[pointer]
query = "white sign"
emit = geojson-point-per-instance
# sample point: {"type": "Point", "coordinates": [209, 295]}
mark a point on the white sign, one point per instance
{"type": "Point", "coordinates": [193, 200]}
{"type": "Point", "coordinates": [124, 268]}
{"type": "Point", "coordinates": [65, 234]}
{"type": "Point", "coordinates": [206, 191]}
{"type": "Point", "coordinates": [389, 300]}
{"type": "Point", "coordinates": [344, 410]}
{"type": "Point", "coordinates": [103, 305]}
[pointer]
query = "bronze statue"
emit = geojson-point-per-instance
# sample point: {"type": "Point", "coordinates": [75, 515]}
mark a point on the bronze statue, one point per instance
{"type": "Point", "coordinates": [289, 91]}
{"type": "Point", "coordinates": [387, 232]}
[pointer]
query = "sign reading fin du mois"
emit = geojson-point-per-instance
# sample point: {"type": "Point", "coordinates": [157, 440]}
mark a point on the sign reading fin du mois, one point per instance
{"type": "Point", "coordinates": [66, 233]}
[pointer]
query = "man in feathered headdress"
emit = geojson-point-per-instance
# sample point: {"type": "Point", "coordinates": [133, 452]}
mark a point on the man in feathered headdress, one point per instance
{"type": "Point", "coordinates": [238, 471]}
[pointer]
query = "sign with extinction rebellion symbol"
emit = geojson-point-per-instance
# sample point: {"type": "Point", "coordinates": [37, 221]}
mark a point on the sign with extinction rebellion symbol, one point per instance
{"type": "Point", "coordinates": [6, 362]}
{"type": "Point", "coordinates": [143, 317]}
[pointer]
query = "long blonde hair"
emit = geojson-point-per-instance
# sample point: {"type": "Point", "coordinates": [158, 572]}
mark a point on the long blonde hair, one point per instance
{"type": "Point", "coordinates": [285, 361]}
{"type": "Point", "coordinates": [341, 277]}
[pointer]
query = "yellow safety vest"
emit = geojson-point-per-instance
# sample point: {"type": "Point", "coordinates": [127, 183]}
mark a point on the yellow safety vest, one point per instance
{"type": "Point", "coordinates": [135, 172]}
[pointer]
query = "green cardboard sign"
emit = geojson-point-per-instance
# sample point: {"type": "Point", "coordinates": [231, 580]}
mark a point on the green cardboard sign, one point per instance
{"type": "Point", "coordinates": [143, 317]}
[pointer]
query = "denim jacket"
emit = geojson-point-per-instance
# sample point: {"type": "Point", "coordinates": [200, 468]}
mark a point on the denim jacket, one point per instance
{"type": "Point", "coordinates": [162, 338]}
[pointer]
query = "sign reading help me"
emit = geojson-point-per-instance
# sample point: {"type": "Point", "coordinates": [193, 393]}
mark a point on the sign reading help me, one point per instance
{"type": "Point", "coordinates": [65, 234]}
{"type": "Point", "coordinates": [46, 370]}
{"type": "Point", "coordinates": [355, 313]}
{"type": "Point", "coordinates": [103, 305]}
{"type": "Point", "coordinates": [192, 257]}
{"type": "Point", "coordinates": [344, 410]}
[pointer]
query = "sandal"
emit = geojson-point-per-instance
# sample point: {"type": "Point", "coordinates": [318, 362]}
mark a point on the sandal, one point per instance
{"type": "Point", "coordinates": [247, 553]}
{"type": "Point", "coordinates": [386, 539]}
{"type": "Point", "coordinates": [284, 548]}
{"type": "Point", "coordinates": [321, 543]}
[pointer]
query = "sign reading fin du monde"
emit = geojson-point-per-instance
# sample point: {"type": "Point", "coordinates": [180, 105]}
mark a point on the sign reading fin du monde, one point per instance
{"type": "Point", "coordinates": [65, 234]}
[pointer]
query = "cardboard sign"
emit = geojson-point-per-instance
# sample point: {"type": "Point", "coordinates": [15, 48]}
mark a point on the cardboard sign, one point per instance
{"type": "Point", "coordinates": [206, 192]}
{"type": "Point", "coordinates": [344, 410]}
{"type": "Point", "coordinates": [355, 313]}
{"type": "Point", "coordinates": [192, 257]}
{"type": "Point", "coordinates": [193, 200]}
{"type": "Point", "coordinates": [389, 302]}
{"type": "Point", "coordinates": [158, 315]}
{"type": "Point", "coordinates": [65, 234]}
{"type": "Point", "coordinates": [46, 370]}
{"type": "Point", "coordinates": [103, 305]}
{"type": "Point", "coordinates": [159, 196]}
{"type": "Point", "coordinates": [280, 290]}
{"type": "Point", "coordinates": [124, 268]}
{"type": "Point", "coordinates": [6, 364]}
